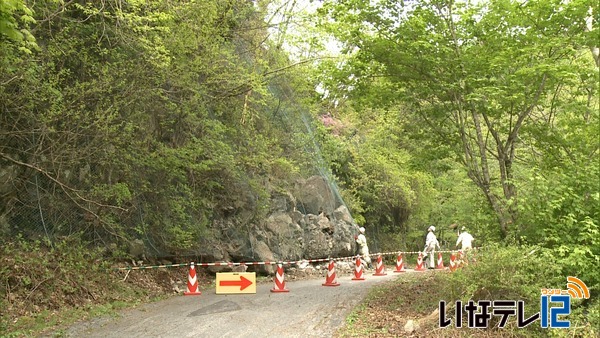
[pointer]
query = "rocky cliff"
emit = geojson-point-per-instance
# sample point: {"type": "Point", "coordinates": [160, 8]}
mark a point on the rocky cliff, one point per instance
{"type": "Point", "coordinates": [306, 223]}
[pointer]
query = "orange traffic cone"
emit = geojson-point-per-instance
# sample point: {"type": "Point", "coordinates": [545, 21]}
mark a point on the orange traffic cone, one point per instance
{"type": "Point", "coordinates": [440, 262]}
{"type": "Point", "coordinates": [420, 266]}
{"type": "Point", "coordinates": [192, 285]}
{"type": "Point", "coordinates": [379, 269]}
{"type": "Point", "coordinates": [452, 262]}
{"type": "Point", "coordinates": [331, 279]}
{"type": "Point", "coordinates": [358, 270]}
{"type": "Point", "coordinates": [399, 264]}
{"type": "Point", "coordinates": [279, 282]}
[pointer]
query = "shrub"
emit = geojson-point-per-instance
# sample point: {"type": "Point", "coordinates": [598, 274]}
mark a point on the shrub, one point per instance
{"type": "Point", "coordinates": [519, 273]}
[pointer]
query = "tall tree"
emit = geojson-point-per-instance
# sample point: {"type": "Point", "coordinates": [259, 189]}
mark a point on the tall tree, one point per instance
{"type": "Point", "coordinates": [473, 73]}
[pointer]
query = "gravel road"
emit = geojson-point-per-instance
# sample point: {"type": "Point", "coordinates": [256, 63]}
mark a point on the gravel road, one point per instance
{"type": "Point", "coordinates": [308, 310]}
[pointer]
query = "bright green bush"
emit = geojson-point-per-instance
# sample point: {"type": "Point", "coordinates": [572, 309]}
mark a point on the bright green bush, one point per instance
{"type": "Point", "coordinates": [519, 273]}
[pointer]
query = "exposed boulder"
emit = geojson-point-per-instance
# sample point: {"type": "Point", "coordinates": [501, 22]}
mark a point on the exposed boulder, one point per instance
{"type": "Point", "coordinates": [308, 225]}
{"type": "Point", "coordinates": [342, 214]}
{"type": "Point", "coordinates": [137, 249]}
{"type": "Point", "coordinates": [296, 216]}
{"type": "Point", "coordinates": [284, 237]}
{"type": "Point", "coordinates": [343, 238]}
{"type": "Point", "coordinates": [324, 225]}
{"type": "Point", "coordinates": [263, 253]}
{"type": "Point", "coordinates": [279, 223]}
{"type": "Point", "coordinates": [314, 196]}
{"type": "Point", "coordinates": [318, 245]}
{"type": "Point", "coordinates": [282, 201]}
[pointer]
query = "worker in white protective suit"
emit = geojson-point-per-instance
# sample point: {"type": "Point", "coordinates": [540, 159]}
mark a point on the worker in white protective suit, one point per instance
{"type": "Point", "coordinates": [430, 243]}
{"type": "Point", "coordinates": [467, 244]}
{"type": "Point", "coordinates": [466, 239]}
{"type": "Point", "coordinates": [363, 249]}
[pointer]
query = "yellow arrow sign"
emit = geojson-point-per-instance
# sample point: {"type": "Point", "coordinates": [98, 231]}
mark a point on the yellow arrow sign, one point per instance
{"type": "Point", "coordinates": [236, 282]}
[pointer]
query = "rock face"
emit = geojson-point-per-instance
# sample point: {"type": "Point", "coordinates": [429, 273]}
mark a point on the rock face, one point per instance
{"type": "Point", "coordinates": [314, 196]}
{"type": "Point", "coordinates": [308, 224]}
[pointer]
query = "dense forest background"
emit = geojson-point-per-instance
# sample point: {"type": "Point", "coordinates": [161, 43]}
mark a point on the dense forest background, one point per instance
{"type": "Point", "coordinates": [126, 121]}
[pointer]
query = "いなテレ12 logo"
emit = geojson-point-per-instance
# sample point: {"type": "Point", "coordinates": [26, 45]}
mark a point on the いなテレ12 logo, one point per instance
{"type": "Point", "coordinates": [576, 288]}
{"type": "Point", "coordinates": [554, 305]}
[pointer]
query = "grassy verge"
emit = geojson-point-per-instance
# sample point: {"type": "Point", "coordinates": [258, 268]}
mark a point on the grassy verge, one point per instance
{"type": "Point", "coordinates": [388, 308]}
{"type": "Point", "coordinates": [502, 274]}
{"type": "Point", "coordinates": [45, 288]}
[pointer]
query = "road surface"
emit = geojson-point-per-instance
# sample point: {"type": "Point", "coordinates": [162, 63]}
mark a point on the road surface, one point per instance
{"type": "Point", "coordinates": [308, 310]}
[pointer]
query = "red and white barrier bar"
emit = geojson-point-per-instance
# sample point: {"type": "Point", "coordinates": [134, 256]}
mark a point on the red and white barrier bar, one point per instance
{"type": "Point", "coordinates": [349, 258]}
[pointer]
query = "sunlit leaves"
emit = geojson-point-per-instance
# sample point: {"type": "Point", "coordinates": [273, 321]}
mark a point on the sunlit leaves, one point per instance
{"type": "Point", "coordinates": [15, 20]}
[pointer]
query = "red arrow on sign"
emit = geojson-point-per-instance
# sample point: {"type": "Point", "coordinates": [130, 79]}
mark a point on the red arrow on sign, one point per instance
{"type": "Point", "coordinates": [242, 283]}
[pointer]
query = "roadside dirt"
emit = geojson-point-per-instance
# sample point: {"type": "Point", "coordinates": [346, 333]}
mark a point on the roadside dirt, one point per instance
{"type": "Point", "coordinates": [413, 297]}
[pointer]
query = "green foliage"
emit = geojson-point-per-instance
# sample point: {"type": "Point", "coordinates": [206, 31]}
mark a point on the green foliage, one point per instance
{"type": "Point", "coordinates": [561, 205]}
{"type": "Point", "coordinates": [563, 216]}
{"type": "Point", "coordinates": [519, 273]}
{"type": "Point", "coordinates": [146, 119]}
{"type": "Point", "coordinates": [501, 96]}
{"type": "Point", "coordinates": [282, 169]}
{"type": "Point", "coordinates": [507, 272]}
{"type": "Point", "coordinates": [459, 202]}
{"type": "Point", "coordinates": [149, 120]}
{"type": "Point", "coordinates": [15, 19]}
{"type": "Point", "coordinates": [385, 193]}
{"type": "Point", "coordinates": [470, 76]}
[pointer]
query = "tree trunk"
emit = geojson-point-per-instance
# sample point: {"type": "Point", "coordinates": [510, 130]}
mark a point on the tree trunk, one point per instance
{"type": "Point", "coordinates": [589, 26]}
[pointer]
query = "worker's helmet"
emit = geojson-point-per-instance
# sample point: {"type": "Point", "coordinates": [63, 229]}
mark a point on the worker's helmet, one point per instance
{"type": "Point", "coordinates": [431, 228]}
{"type": "Point", "coordinates": [362, 230]}
{"type": "Point", "coordinates": [463, 229]}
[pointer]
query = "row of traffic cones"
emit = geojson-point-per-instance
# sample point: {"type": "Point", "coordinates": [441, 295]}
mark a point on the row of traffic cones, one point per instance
{"type": "Point", "coordinates": [380, 269]}
{"type": "Point", "coordinates": [358, 271]}
{"type": "Point", "coordinates": [331, 278]}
